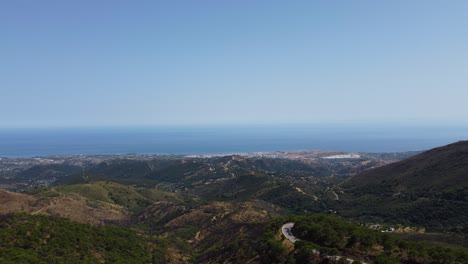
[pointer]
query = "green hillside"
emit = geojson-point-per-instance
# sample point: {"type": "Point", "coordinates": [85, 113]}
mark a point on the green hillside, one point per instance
{"type": "Point", "coordinates": [430, 190]}
{"type": "Point", "coordinates": [442, 170]}
{"type": "Point", "coordinates": [130, 197]}
{"type": "Point", "coordinates": [44, 239]}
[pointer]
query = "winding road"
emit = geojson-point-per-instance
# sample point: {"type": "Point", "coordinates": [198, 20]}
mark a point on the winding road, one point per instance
{"type": "Point", "coordinates": [286, 230]}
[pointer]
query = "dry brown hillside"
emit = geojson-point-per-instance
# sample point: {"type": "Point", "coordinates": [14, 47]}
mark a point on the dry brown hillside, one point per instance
{"type": "Point", "coordinates": [219, 228]}
{"type": "Point", "coordinates": [70, 206]}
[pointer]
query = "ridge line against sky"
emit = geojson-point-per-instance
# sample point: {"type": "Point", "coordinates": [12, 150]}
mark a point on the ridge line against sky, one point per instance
{"type": "Point", "coordinates": [149, 63]}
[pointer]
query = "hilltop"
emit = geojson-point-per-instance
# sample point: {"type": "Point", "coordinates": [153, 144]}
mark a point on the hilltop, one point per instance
{"type": "Point", "coordinates": [442, 169]}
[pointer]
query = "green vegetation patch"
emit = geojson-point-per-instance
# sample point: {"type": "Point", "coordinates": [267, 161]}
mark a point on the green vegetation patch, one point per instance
{"type": "Point", "coordinates": [43, 239]}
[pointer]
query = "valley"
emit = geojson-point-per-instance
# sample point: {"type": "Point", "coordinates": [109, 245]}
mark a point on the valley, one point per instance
{"type": "Point", "coordinates": [201, 209]}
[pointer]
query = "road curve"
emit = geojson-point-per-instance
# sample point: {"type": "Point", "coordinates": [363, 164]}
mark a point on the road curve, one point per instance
{"type": "Point", "coordinates": [286, 230]}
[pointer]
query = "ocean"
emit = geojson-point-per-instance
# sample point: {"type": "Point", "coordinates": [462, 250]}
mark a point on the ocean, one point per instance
{"type": "Point", "coordinates": [223, 139]}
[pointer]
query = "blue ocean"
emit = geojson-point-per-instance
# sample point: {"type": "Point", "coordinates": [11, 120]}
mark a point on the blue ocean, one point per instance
{"type": "Point", "coordinates": [223, 139]}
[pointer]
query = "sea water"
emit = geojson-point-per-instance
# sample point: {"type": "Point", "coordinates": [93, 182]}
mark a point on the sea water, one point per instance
{"type": "Point", "coordinates": [224, 139]}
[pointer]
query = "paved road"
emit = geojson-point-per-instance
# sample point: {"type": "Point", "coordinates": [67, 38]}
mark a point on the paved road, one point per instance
{"type": "Point", "coordinates": [286, 229]}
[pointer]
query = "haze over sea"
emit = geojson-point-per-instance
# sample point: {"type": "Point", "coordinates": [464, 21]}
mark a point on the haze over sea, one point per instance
{"type": "Point", "coordinates": [223, 139]}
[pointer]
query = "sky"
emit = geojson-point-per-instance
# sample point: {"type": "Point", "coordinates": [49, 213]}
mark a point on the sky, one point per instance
{"type": "Point", "coordinates": [151, 63]}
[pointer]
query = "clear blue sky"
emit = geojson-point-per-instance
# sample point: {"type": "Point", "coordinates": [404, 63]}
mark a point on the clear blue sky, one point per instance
{"type": "Point", "coordinates": [125, 63]}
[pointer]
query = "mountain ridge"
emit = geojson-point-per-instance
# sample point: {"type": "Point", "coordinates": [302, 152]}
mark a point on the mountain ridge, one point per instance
{"type": "Point", "coordinates": [429, 190]}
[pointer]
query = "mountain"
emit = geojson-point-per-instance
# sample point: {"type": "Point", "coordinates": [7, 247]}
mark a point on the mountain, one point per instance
{"type": "Point", "coordinates": [230, 209]}
{"type": "Point", "coordinates": [442, 169]}
{"type": "Point", "coordinates": [429, 190]}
